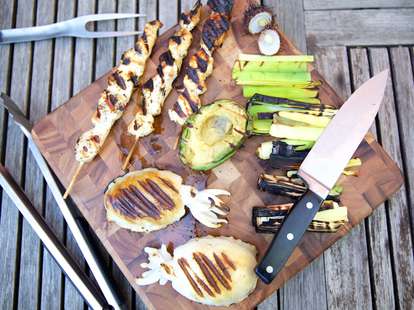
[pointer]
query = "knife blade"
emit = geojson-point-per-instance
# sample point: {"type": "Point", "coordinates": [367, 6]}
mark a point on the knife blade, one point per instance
{"type": "Point", "coordinates": [104, 283]}
{"type": "Point", "coordinates": [322, 168]}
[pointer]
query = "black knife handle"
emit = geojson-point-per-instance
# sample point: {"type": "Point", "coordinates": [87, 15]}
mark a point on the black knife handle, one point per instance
{"type": "Point", "coordinates": [288, 237]}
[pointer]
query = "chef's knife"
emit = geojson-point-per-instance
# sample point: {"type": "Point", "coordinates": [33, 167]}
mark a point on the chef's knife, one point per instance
{"type": "Point", "coordinates": [322, 168]}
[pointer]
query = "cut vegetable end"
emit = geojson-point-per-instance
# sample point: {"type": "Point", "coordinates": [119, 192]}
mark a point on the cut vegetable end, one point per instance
{"type": "Point", "coordinates": [269, 42]}
{"type": "Point", "coordinates": [307, 119]}
{"type": "Point", "coordinates": [295, 132]}
{"type": "Point", "coordinates": [290, 78]}
{"type": "Point", "coordinates": [282, 84]}
{"type": "Point", "coordinates": [241, 66]}
{"type": "Point", "coordinates": [296, 94]}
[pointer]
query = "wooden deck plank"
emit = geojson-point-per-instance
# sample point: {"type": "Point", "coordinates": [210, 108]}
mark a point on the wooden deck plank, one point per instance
{"type": "Point", "coordinates": [359, 27]}
{"type": "Point", "coordinates": [186, 5]}
{"type": "Point", "coordinates": [105, 56]}
{"type": "Point", "coordinates": [53, 293]}
{"type": "Point", "coordinates": [122, 44]}
{"type": "Point", "coordinates": [346, 262]}
{"type": "Point", "coordinates": [399, 205]}
{"type": "Point", "coordinates": [167, 13]}
{"type": "Point", "coordinates": [379, 246]}
{"type": "Point", "coordinates": [355, 4]}
{"type": "Point", "coordinates": [10, 222]}
{"type": "Point", "coordinates": [404, 91]}
{"type": "Point", "coordinates": [31, 250]}
{"type": "Point", "coordinates": [290, 17]}
{"type": "Point", "coordinates": [82, 77]}
{"type": "Point", "coordinates": [6, 21]}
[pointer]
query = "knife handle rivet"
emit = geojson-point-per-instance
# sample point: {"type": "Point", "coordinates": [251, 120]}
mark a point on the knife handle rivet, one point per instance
{"type": "Point", "coordinates": [269, 269]}
{"type": "Point", "coordinates": [309, 205]}
{"type": "Point", "coordinates": [290, 236]}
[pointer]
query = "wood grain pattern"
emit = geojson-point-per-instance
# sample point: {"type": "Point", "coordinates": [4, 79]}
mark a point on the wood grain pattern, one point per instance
{"type": "Point", "coordinates": [399, 210]}
{"type": "Point", "coordinates": [359, 27]}
{"type": "Point", "coordinates": [347, 283]}
{"type": "Point", "coordinates": [82, 70]}
{"type": "Point", "coordinates": [57, 133]}
{"type": "Point", "coordinates": [382, 288]}
{"type": "Point", "coordinates": [355, 4]}
{"type": "Point", "coordinates": [30, 261]}
{"type": "Point", "coordinates": [11, 220]}
{"type": "Point", "coordinates": [404, 95]}
{"type": "Point", "coordinates": [62, 89]}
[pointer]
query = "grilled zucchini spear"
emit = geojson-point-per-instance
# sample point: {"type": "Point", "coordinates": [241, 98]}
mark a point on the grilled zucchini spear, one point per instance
{"type": "Point", "coordinates": [329, 218]}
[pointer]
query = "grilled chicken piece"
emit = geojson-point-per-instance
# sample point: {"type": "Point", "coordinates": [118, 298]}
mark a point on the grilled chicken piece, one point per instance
{"type": "Point", "coordinates": [151, 199]}
{"type": "Point", "coordinates": [200, 65]}
{"type": "Point", "coordinates": [216, 271]}
{"type": "Point", "coordinates": [157, 89]}
{"type": "Point", "coordinates": [114, 99]}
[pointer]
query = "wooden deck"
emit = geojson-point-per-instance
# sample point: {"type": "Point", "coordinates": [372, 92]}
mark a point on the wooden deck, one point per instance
{"type": "Point", "coordinates": [372, 267]}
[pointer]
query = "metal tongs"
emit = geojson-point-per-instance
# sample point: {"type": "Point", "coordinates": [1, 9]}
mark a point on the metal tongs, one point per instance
{"type": "Point", "coordinates": [77, 230]}
{"type": "Point", "coordinates": [75, 27]}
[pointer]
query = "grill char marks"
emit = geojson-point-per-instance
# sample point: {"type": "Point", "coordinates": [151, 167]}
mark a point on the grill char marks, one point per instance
{"type": "Point", "coordinates": [182, 262]}
{"type": "Point", "coordinates": [187, 17]}
{"type": "Point", "coordinates": [191, 102]}
{"type": "Point", "coordinates": [201, 59]}
{"type": "Point", "coordinates": [131, 202]}
{"type": "Point", "coordinates": [215, 275]}
{"type": "Point", "coordinates": [149, 199]}
{"type": "Point", "coordinates": [221, 6]}
{"type": "Point", "coordinates": [149, 85]}
{"type": "Point", "coordinates": [159, 194]}
{"type": "Point", "coordinates": [219, 276]}
{"type": "Point", "coordinates": [222, 267]}
{"type": "Point", "coordinates": [215, 27]}
{"type": "Point", "coordinates": [119, 80]}
{"type": "Point", "coordinates": [228, 261]}
{"type": "Point", "coordinates": [176, 39]}
{"type": "Point", "coordinates": [168, 184]}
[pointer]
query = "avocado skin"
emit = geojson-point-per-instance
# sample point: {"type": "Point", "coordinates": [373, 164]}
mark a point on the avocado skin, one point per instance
{"type": "Point", "coordinates": [225, 107]}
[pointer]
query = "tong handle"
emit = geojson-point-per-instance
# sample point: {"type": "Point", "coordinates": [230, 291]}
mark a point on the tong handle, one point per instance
{"type": "Point", "coordinates": [33, 33]}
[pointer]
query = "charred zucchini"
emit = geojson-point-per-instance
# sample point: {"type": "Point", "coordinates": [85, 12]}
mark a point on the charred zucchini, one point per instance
{"type": "Point", "coordinates": [284, 118]}
{"type": "Point", "coordinates": [329, 218]}
{"type": "Point", "coordinates": [282, 154]}
{"type": "Point", "coordinates": [212, 135]}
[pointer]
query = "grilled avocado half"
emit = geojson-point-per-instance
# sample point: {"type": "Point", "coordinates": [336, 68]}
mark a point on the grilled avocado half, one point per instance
{"type": "Point", "coordinates": [213, 134]}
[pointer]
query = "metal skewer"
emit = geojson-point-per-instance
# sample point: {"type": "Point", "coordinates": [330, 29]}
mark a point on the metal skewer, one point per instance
{"type": "Point", "coordinates": [86, 288]}
{"type": "Point", "coordinates": [76, 229]}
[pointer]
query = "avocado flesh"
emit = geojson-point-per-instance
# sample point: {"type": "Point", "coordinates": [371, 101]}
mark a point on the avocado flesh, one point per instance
{"type": "Point", "coordinates": [213, 135]}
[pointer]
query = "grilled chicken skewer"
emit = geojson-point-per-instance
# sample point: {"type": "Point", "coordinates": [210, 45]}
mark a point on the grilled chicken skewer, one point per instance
{"type": "Point", "coordinates": [200, 65]}
{"type": "Point", "coordinates": [114, 99]}
{"type": "Point", "coordinates": [157, 88]}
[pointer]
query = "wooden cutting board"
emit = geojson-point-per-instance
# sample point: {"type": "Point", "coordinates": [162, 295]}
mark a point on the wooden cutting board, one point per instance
{"type": "Point", "coordinates": [57, 133]}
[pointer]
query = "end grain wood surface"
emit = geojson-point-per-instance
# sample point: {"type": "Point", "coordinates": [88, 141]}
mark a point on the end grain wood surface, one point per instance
{"type": "Point", "coordinates": [371, 268]}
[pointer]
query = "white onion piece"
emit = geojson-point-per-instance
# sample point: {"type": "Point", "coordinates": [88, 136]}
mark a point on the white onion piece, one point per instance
{"type": "Point", "coordinates": [259, 22]}
{"type": "Point", "coordinates": [269, 42]}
